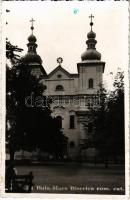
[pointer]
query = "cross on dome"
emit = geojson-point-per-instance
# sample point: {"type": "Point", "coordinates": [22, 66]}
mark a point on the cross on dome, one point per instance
{"type": "Point", "coordinates": [59, 60]}
{"type": "Point", "coordinates": [32, 27]}
{"type": "Point", "coordinates": [91, 23]}
{"type": "Point", "coordinates": [91, 16]}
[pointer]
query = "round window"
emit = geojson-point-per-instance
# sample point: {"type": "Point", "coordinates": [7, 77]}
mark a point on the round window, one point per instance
{"type": "Point", "coordinates": [59, 76]}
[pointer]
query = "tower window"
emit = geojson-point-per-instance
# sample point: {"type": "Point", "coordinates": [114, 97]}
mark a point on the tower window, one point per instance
{"type": "Point", "coordinates": [31, 48]}
{"type": "Point", "coordinates": [59, 88]}
{"type": "Point", "coordinates": [72, 124]}
{"type": "Point", "coordinates": [90, 83]}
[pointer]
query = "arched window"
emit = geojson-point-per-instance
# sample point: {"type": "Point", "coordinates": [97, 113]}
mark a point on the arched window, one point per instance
{"type": "Point", "coordinates": [90, 83]}
{"type": "Point", "coordinates": [72, 120]}
{"type": "Point", "coordinates": [59, 88]}
{"type": "Point", "coordinates": [59, 121]}
{"type": "Point", "coordinates": [72, 144]}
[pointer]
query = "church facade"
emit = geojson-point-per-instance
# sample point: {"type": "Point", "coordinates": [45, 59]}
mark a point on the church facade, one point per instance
{"type": "Point", "coordinates": [71, 94]}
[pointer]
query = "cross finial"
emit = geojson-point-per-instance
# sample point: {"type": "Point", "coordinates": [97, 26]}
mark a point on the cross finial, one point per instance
{"type": "Point", "coordinates": [91, 23]}
{"type": "Point", "coordinates": [32, 27]}
{"type": "Point", "coordinates": [59, 60]}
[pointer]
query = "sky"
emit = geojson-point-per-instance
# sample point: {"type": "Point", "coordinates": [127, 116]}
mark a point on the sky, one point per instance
{"type": "Point", "coordinates": [61, 30]}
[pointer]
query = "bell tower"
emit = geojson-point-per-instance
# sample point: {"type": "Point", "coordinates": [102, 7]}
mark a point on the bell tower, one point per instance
{"type": "Point", "coordinates": [91, 67]}
{"type": "Point", "coordinates": [32, 59]}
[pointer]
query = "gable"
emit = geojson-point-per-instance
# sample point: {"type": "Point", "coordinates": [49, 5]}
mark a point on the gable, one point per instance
{"type": "Point", "coordinates": [59, 73]}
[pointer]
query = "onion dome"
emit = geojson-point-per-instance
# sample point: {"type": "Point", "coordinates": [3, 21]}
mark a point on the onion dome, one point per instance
{"type": "Point", "coordinates": [91, 53]}
{"type": "Point", "coordinates": [32, 57]}
{"type": "Point", "coordinates": [91, 34]}
{"type": "Point", "coordinates": [32, 38]}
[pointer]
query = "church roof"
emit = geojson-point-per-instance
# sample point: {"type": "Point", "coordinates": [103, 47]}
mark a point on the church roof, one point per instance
{"type": "Point", "coordinates": [74, 75]}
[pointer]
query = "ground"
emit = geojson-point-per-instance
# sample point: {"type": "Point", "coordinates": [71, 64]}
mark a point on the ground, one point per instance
{"type": "Point", "coordinates": [76, 178]}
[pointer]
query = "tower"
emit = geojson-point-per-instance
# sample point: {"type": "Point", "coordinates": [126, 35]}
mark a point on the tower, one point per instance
{"type": "Point", "coordinates": [91, 67]}
{"type": "Point", "coordinates": [32, 59]}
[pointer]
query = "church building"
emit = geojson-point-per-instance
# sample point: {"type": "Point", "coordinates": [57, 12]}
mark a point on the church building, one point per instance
{"type": "Point", "coordinates": [71, 94]}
